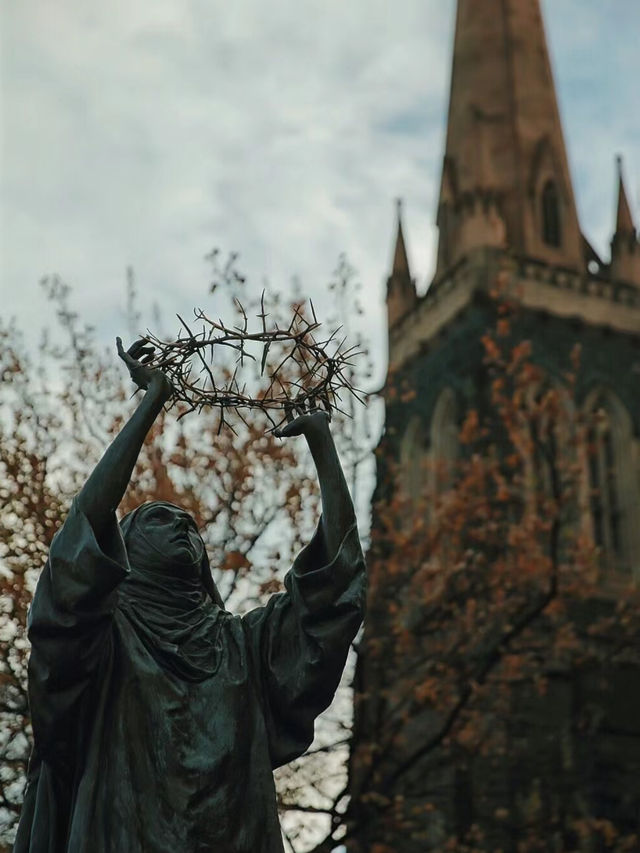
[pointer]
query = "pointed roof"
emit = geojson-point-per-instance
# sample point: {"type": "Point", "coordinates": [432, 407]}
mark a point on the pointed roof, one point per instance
{"type": "Point", "coordinates": [504, 135]}
{"type": "Point", "coordinates": [624, 219]}
{"type": "Point", "coordinates": [400, 265]}
{"type": "Point", "coordinates": [401, 289]}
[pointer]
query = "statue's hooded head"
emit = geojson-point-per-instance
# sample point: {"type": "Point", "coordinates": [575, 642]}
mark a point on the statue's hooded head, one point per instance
{"type": "Point", "coordinates": [163, 540]}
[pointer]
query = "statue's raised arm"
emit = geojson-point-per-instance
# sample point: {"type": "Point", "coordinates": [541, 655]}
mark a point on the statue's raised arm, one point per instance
{"type": "Point", "coordinates": [300, 640]}
{"type": "Point", "coordinates": [338, 515]}
{"type": "Point", "coordinates": [106, 486]}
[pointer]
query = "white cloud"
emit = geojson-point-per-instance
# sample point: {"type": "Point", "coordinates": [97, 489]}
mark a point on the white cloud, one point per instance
{"type": "Point", "coordinates": [144, 133]}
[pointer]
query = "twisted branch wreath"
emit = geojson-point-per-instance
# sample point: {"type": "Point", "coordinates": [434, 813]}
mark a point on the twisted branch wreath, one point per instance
{"type": "Point", "coordinates": [309, 372]}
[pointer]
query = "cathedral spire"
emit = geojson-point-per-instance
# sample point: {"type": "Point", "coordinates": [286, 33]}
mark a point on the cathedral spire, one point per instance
{"type": "Point", "coordinates": [505, 178]}
{"type": "Point", "coordinates": [400, 260]}
{"type": "Point", "coordinates": [624, 219]}
{"type": "Point", "coordinates": [625, 249]}
{"type": "Point", "coordinates": [401, 289]}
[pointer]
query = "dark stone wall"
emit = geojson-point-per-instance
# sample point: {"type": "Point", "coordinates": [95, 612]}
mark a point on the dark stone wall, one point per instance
{"type": "Point", "coordinates": [455, 360]}
{"type": "Point", "coordinates": [574, 750]}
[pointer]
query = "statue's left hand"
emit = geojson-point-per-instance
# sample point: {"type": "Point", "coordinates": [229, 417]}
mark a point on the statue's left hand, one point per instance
{"type": "Point", "coordinates": [137, 358]}
{"type": "Point", "coordinates": [308, 423]}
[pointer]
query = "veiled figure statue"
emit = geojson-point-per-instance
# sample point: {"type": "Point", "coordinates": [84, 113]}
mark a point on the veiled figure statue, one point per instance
{"type": "Point", "coordinates": [158, 717]}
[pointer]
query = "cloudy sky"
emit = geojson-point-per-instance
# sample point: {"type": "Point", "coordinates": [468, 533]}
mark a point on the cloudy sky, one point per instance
{"type": "Point", "coordinates": [145, 133]}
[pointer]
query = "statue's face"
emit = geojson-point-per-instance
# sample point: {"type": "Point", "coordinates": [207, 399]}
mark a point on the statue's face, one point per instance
{"type": "Point", "coordinates": [172, 534]}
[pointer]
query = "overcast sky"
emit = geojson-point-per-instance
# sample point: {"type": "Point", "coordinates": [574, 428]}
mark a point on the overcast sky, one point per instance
{"type": "Point", "coordinates": [144, 133]}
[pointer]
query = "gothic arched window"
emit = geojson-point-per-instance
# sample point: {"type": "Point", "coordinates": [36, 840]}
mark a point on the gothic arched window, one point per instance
{"type": "Point", "coordinates": [444, 438]}
{"type": "Point", "coordinates": [545, 420]}
{"type": "Point", "coordinates": [413, 459]}
{"type": "Point", "coordinates": [551, 226]}
{"type": "Point", "coordinates": [612, 487]}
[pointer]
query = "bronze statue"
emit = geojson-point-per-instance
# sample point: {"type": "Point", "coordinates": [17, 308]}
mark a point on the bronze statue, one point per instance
{"type": "Point", "coordinates": [157, 716]}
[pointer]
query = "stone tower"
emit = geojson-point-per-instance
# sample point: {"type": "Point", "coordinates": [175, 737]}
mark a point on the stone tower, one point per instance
{"type": "Point", "coordinates": [506, 212]}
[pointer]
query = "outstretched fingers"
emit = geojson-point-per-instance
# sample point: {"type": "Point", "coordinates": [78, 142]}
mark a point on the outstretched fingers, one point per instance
{"type": "Point", "coordinates": [120, 348]}
{"type": "Point", "coordinates": [309, 419]}
{"type": "Point", "coordinates": [139, 360]}
{"type": "Point", "coordinates": [139, 352]}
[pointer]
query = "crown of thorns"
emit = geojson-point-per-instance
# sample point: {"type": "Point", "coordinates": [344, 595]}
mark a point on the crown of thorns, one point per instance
{"type": "Point", "coordinates": [302, 371]}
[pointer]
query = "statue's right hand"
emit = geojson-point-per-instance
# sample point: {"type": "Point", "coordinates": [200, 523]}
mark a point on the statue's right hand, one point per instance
{"type": "Point", "coordinates": [137, 358]}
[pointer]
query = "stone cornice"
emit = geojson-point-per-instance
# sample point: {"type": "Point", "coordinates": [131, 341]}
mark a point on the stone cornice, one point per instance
{"type": "Point", "coordinates": [558, 291]}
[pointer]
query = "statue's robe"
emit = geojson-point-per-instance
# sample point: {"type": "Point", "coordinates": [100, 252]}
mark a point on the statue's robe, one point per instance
{"type": "Point", "coordinates": [139, 747]}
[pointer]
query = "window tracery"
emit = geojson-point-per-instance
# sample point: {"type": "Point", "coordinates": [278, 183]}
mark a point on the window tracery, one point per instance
{"type": "Point", "coordinates": [413, 462]}
{"type": "Point", "coordinates": [444, 439]}
{"type": "Point", "coordinates": [612, 486]}
{"type": "Point", "coordinates": [551, 225]}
